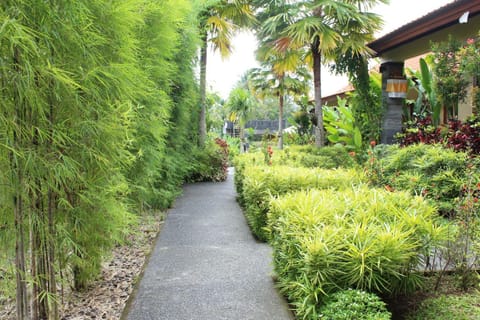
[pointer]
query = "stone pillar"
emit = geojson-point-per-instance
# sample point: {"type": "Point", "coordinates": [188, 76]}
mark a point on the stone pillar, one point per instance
{"type": "Point", "coordinates": [392, 119]}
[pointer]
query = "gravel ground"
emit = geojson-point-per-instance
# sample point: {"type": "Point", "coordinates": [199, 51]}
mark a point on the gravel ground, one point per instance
{"type": "Point", "coordinates": [107, 296]}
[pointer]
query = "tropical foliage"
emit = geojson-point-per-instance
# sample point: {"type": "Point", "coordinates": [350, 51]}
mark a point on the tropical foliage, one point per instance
{"type": "Point", "coordinates": [324, 241]}
{"type": "Point", "coordinates": [259, 184]}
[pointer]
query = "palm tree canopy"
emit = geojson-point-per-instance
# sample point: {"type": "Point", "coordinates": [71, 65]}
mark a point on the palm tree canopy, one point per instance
{"type": "Point", "coordinates": [327, 24]}
{"type": "Point", "coordinates": [240, 103]}
{"type": "Point", "coordinates": [221, 18]}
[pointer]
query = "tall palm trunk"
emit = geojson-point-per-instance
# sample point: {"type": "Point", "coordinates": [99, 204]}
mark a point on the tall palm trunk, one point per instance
{"type": "Point", "coordinates": [203, 91]}
{"type": "Point", "coordinates": [317, 84]}
{"type": "Point", "coordinates": [280, 120]}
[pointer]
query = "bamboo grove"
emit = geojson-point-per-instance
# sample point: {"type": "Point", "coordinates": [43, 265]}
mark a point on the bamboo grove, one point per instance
{"type": "Point", "coordinates": [97, 118]}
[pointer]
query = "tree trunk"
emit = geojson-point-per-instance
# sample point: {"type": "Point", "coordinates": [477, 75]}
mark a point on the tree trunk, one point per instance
{"type": "Point", "coordinates": [50, 242]}
{"type": "Point", "coordinates": [280, 120]}
{"type": "Point", "coordinates": [20, 265]}
{"type": "Point", "coordinates": [50, 256]}
{"type": "Point", "coordinates": [202, 134]}
{"type": "Point", "coordinates": [241, 136]}
{"type": "Point", "coordinates": [317, 83]}
{"type": "Point", "coordinates": [17, 181]}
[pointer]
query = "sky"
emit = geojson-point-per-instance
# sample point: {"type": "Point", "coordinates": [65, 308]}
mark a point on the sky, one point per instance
{"type": "Point", "coordinates": [223, 74]}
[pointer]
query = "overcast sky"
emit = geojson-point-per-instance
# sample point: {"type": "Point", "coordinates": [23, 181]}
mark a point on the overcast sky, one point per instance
{"type": "Point", "coordinates": [223, 74]}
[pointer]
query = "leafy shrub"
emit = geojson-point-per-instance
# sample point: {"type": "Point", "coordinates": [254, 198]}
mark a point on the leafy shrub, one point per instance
{"type": "Point", "coordinates": [465, 136]}
{"type": "Point", "coordinates": [354, 305]}
{"type": "Point", "coordinates": [368, 239]}
{"type": "Point", "coordinates": [421, 130]}
{"type": "Point", "coordinates": [241, 163]}
{"type": "Point", "coordinates": [261, 183]}
{"type": "Point", "coordinates": [460, 136]}
{"type": "Point", "coordinates": [211, 162]}
{"type": "Point", "coordinates": [233, 147]}
{"type": "Point", "coordinates": [428, 170]}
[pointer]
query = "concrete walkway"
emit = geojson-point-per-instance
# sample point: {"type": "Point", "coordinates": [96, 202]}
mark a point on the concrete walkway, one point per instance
{"type": "Point", "coordinates": [206, 264]}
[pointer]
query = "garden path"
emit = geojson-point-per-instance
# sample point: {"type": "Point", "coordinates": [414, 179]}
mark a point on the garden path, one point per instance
{"type": "Point", "coordinates": [207, 265]}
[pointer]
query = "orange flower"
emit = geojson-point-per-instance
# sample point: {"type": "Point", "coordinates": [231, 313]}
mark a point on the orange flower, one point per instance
{"type": "Point", "coordinates": [373, 143]}
{"type": "Point", "coordinates": [352, 153]}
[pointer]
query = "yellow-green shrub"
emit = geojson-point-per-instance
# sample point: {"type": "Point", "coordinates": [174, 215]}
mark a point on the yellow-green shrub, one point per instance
{"type": "Point", "coordinates": [260, 183]}
{"type": "Point", "coordinates": [240, 163]}
{"type": "Point", "coordinates": [361, 238]}
{"type": "Point", "coordinates": [330, 157]}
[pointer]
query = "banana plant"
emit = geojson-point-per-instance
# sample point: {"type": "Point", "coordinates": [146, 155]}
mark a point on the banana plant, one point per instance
{"type": "Point", "coordinates": [427, 100]}
{"type": "Point", "coordinates": [340, 126]}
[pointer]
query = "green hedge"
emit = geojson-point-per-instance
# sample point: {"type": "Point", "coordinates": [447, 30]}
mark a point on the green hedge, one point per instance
{"type": "Point", "coordinates": [261, 183]}
{"type": "Point", "coordinates": [368, 239]}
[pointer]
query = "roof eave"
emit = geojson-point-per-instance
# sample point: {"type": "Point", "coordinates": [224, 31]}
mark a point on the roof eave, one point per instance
{"type": "Point", "coordinates": [439, 19]}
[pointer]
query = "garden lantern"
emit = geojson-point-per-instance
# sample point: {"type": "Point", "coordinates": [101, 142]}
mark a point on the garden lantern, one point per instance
{"type": "Point", "coordinates": [397, 88]}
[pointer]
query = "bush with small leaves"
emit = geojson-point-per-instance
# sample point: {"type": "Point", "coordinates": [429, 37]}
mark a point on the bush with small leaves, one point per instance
{"type": "Point", "coordinates": [354, 305]}
{"type": "Point", "coordinates": [429, 170]}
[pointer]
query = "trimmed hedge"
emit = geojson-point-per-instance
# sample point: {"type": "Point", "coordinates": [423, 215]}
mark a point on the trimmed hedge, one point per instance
{"type": "Point", "coordinates": [325, 240]}
{"type": "Point", "coordinates": [260, 184]}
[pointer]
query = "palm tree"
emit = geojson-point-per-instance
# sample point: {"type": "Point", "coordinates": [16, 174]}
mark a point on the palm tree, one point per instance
{"type": "Point", "coordinates": [219, 19]}
{"type": "Point", "coordinates": [240, 104]}
{"type": "Point", "coordinates": [324, 26]}
{"type": "Point", "coordinates": [280, 74]}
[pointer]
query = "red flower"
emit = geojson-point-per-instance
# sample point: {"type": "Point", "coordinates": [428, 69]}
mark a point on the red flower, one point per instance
{"type": "Point", "coordinates": [373, 143]}
{"type": "Point", "coordinates": [470, 41]}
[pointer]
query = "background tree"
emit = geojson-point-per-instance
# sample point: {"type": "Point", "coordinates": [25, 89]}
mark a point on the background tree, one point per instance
{"type": "Point", "coordinates": [218, 21]}
{"type": "Point", "coordinates": [240, 103]}
{"type": "Point", "coordinates": [281, 74]}
{"type": "Point", "coordinates": [450, 83]}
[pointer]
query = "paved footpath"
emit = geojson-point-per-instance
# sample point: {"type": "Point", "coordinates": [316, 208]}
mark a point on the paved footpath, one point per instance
{"type": "Point", "coordinates": [206, 264]}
